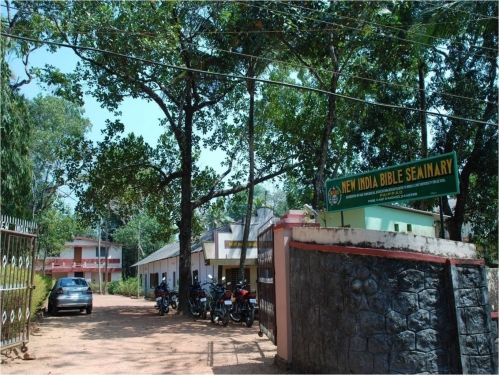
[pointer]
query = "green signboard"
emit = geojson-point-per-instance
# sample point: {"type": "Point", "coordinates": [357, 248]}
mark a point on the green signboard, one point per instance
{"type": "Point", "coordinates": [420, 179]}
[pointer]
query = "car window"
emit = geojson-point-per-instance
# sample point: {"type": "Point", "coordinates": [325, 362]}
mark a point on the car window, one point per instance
{"type": "Point", "coordinates": [73, 282]}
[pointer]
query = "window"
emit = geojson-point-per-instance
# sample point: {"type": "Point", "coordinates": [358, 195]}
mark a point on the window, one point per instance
{"type": "Point", "coordinates": [174, 281]}
{"type": "Point", "coordinates": [73, 282]}
{"type": "Point", "coordinates": [153, 280]}
{"type": "Point", "coordinates": [396, 227]}
{"type": "Point", "coordinates": [79, 274]}
{"type": "Point", "coordinates": [195, 276]}
{"type": "Point", "coordinates": [409, 227]}
{"type": "Point", "coordinates": [163, 275]}
{"type": "Point", "coordinates": [103, 252]}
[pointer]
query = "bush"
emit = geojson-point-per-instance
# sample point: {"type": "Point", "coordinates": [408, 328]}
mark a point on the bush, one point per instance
{"type": "Point", "coordinates": [112, 287]}
{"type": "Point", "coordinates": [42, 284]}
{"type": "Point", "coordinates": [95, 287]}
{"type": "Point", "coordinates": [129, 286]}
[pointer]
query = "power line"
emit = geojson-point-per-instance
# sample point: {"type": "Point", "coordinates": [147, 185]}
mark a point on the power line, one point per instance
{"type": "Point", "coordinates": [309, 30]}
{"type": "Point", "coordinates": [446, 7]}
{"type": "Point", "coordinates": [386, 26]}
{"type": "Point", "coordinates": [341, 73]}
{"type": "Point", "coordinates": [244, 78]}
{"type": "Point", "coordinates": [296, 65]}
{"type": "Point", "coordinates": [350, 27]}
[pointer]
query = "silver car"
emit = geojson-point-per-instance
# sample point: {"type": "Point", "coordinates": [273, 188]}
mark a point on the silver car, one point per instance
{"type": "Point", "coordinates": [70, 293]}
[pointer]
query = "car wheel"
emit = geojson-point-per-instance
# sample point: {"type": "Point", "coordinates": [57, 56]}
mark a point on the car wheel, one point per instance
{"type": "Point", "coordinates": [52, 309]}
{"type": "Point", "coordinates": [89, 310]}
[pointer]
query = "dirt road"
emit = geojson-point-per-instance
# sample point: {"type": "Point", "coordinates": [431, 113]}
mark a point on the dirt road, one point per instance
{"type": "Point", "coordinates": [127, 336]}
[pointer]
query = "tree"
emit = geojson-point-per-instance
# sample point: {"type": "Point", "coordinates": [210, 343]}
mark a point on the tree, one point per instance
{"type": "Point", "coordinates": [142, 235]}
{"type": "Point", "coordinates": [467, 70]}
{"type": "Point", "coordinates": [57, 225]}
{"type": "Point", "coordinates": [16, 137]}
{"type": "Point", "coordinates": [167, 33]}
{"type": "Point", "coordinates": [325, 55]}
{"type": "Point", "coordinates": [58, 125]}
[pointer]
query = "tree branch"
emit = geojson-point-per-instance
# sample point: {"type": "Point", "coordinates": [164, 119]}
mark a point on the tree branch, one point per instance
{"type": "Point", "coordinates": [207, 103]}
{"type": "Point", "coordinates": [223, 193]}
{"type": "Point", "coordinates": [302, 60]}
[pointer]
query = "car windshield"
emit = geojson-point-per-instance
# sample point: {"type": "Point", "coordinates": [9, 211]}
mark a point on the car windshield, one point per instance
{"type": "Point", "coordinates": [73, 282]}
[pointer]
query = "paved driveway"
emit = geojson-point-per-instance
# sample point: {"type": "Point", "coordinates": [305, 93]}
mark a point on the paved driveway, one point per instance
{"type": "Point", "coordinates": [127, 336]}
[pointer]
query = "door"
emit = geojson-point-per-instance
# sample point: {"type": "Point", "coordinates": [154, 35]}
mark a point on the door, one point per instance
{"type": "Point", "coordinates": [77, 255]}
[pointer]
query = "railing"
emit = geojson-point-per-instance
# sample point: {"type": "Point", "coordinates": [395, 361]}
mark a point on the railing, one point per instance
{"type": "Point", "coordinates": [91, 263]}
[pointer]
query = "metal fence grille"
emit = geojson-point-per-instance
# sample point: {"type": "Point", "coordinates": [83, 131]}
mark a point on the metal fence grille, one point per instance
{"type": "Point", "coordinates": [266, 286]}
{"type": "Point", "coordinates": [17, 250]}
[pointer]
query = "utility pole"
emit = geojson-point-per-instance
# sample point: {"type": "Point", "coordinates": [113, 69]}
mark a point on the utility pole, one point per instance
{"type": "Point", "coordinates": [98, 258]}
{"type": "Point", "coordinates": [139, 250]}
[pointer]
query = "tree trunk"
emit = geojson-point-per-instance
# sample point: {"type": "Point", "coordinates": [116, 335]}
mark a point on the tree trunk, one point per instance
{"type": "Point", "coordinates": [186, 214]}
{"type": "Point", "coordinates": [318, 199]}
{"type": "Point", "coordinates": [422, 106]}
{"type": "Point", "coordinates": [423, 204]}
{"type": "Point", "coordinates": [251, 155]}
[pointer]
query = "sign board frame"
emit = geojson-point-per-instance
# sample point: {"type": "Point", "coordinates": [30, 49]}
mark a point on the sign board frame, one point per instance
{"type": "Point", "coordinates": [420, 179]}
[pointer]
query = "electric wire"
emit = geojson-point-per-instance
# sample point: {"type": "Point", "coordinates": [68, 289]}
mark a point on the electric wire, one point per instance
{"type": "Point", "coordinates": [343, 26]}
{"type": "Point", "coordinates": [353, 28]}
{"type": "Point", "coordinates": [296, 65]}
{"type": "Point", "coordinates": [244, 78]}
{"type": "Point", "coordinates": [309, 30]}
{"type": "Point", "coordinates": [387, 26]}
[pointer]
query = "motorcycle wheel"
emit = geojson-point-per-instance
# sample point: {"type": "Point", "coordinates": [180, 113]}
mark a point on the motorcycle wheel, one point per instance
{"type": "Point", "coordinates": [235, 317]}
{"type": "Point", "coordinates": [250, 318]}
{"type": "Point", "coordinates": [203, 313]}
{"type": "Point", "coordinates": [225, 319]}
{"type": "Point", "coordinates": [163, 307]}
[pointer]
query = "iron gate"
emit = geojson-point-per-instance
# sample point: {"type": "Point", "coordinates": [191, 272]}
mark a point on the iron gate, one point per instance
{"type": "Point", "coordinates": [17, 251]}
{"type": "Point", "coordinates": [266, 286]}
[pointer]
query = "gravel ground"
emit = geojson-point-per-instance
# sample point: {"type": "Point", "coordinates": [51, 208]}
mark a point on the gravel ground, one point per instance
{"type": "Point", "coordinates": [127, 336]}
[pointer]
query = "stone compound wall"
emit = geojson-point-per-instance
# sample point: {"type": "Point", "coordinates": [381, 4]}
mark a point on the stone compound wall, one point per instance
{"type": "Point", "coordinates": [476, 335]}
{"type": "Point", "coordinates": [369, 314]}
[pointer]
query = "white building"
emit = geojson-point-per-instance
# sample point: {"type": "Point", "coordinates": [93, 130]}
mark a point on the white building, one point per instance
{"type": "Point", "coordinates": [80, 258]}
{"type": "Point", "coordinates": [217, 252]}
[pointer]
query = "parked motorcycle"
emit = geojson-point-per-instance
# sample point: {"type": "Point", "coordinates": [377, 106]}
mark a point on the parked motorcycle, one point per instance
{"type": "Point", "coordinates": [162, 296]}
{"type": "Point", "coordinates": [220, 301]}
{"type": "Point", "coordinates": [198, 305]}
{"type": "Point", "coordinates": [173, 299]}
{"type": "Point", "coordinates": [243, 308]}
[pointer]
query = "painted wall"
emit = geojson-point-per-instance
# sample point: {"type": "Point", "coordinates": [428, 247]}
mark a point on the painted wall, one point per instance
{"type": "Point", "coordinates": [385, 218]}
{"type": "Point", "coordinates": [354, 218]}
{"type": "Point", "coordinates": [232, 253]}
{"type": "Point", "coordinates": [381, 218]}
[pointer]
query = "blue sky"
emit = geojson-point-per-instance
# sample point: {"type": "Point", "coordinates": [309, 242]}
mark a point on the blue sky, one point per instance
{"type": "Point", "coordinates": [138, 116]}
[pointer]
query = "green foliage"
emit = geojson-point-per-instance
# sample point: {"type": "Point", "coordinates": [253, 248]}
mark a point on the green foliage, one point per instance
{"type": "Point", "coordinates": [56, 226]}
{"type": "Point", "coordinates": [112, 287]}
{"type": "Point", "coordinates": [42, 285]}
{"type": "Point", "coordinates": [142, 232]}
{"type": "Point", "coordinates": [58, 126]}
{"type": "Point", "coordinates": [95, 286]}
{"type": "Point", "coordinates": [128, 287]}
{"type": "Point", "coordinates": [16, 136]}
